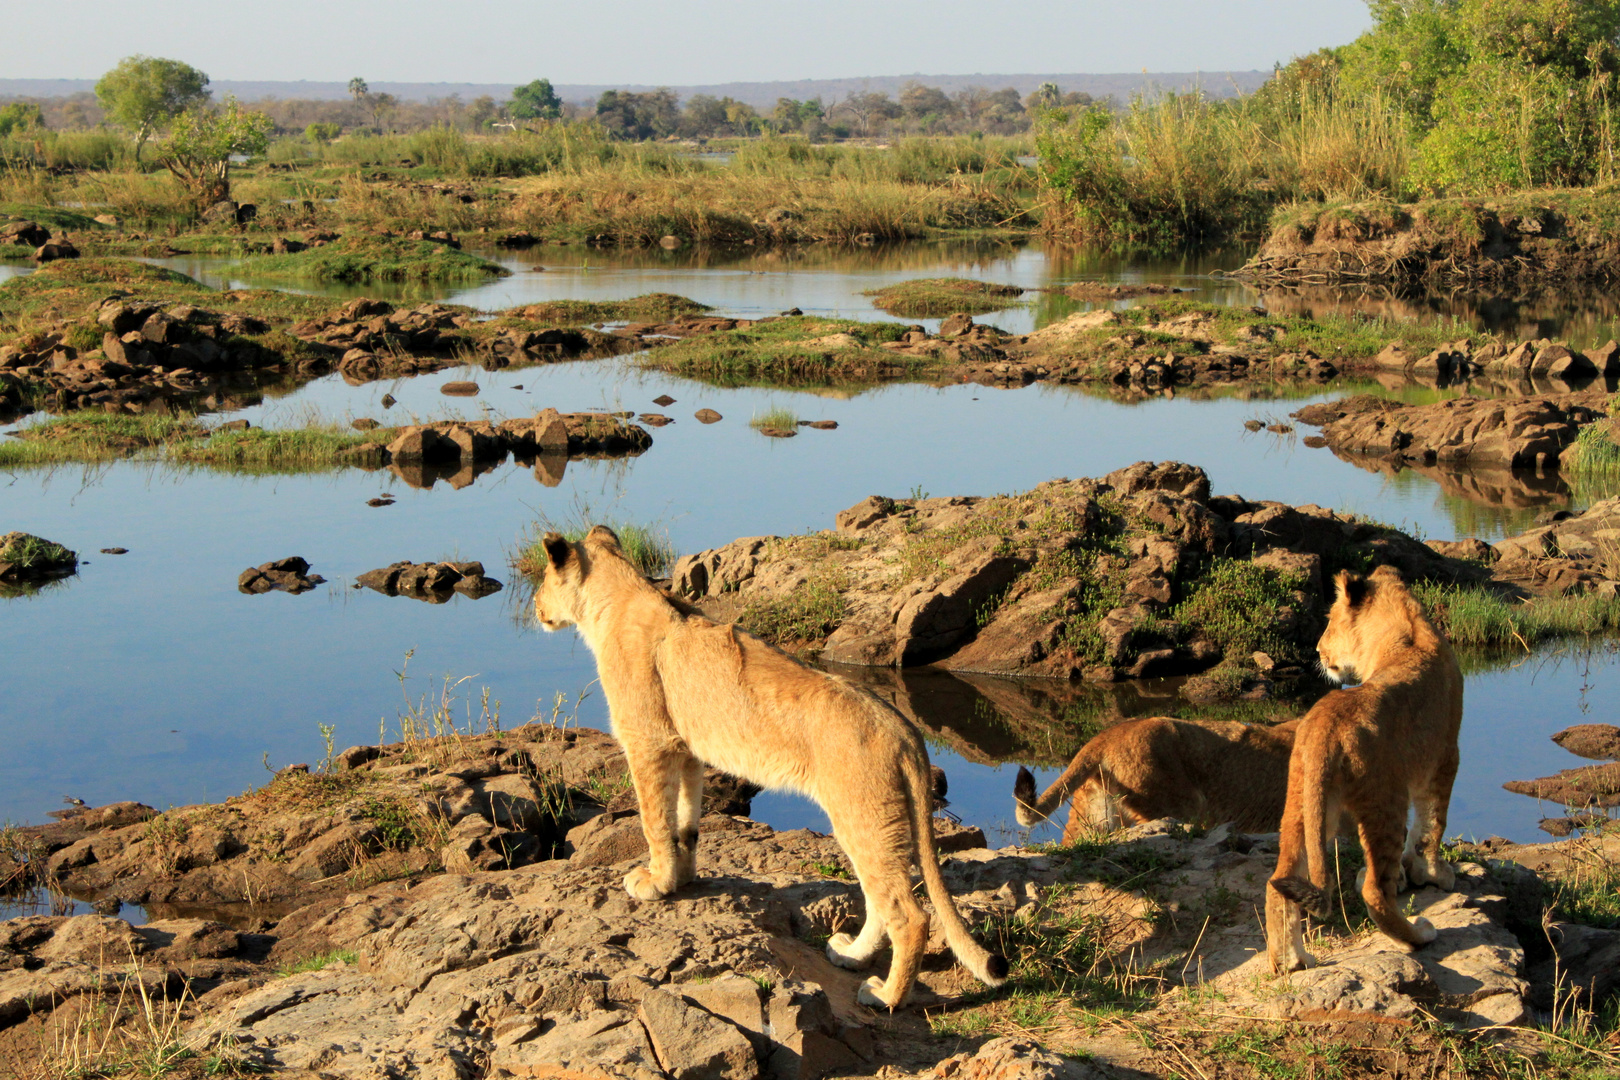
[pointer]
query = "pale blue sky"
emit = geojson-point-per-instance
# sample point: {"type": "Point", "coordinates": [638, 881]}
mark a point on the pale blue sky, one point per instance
{"type": "Point", "coordinates": [661, 42]}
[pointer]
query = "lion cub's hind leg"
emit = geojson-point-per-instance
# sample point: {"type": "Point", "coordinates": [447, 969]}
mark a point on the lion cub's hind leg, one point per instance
{"type": "Point", "coordinates": [882, 848]}
{"type": "Point", "coordinates": [1381, 839]}
{"type": "Point", "coordinates": [1422, 860]}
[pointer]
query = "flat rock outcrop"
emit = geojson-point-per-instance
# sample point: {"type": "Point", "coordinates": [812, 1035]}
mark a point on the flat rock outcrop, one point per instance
{"type": "Point", "coordinates": [1487, 433]}
{"type": "Point", "coordinates": [371, 813]}
{"type": "Point", "coordinates": [552, 970]}
{"type": "Point", "coordinates": [1142, 572]}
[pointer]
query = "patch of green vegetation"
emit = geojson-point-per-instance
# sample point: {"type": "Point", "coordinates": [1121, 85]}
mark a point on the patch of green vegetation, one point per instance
{"type": "Point", "coordinates": [1057, 946]}
{"type": "Point", "coordinates": [648, 547]}
{"type": "Point", "coordinates": [271, 450]}
{"type": "Point", "coordinates": [645, 308]}
{"type": "Point", "coordinates": [187, 243]}
{"type": "Point", "coordinates": [360, 259]}
{"type": "Point", "coordinates": [791, 351]}
{"type": "Point", "coordinates": [1595, 453]}
{"type": "Point", "coordinates": [400, 826]}
{"type": "Point", "coordinates": [930, 298]}
{"type": "Point", "coordinates": [1274, 1051]}
{"type": "Point", "coordinates": [94, 436]}
{"type": "Point", "coordinates": [318, 962]}
{"type": "Point", "coordinates": [29, 552]}
{"type": "Point", "coordinates": [1477, 616]}
{"type": "Point", "coordinates": [54, 218]}
{"type": "Point", "coordinates": [1237, 604]}
{"type": "Point", "coordinates": [775, 418]}
{"type": "Point", "coordinates": [811, 611]}
{"type": "Point", "coordinates": [1587, 890]}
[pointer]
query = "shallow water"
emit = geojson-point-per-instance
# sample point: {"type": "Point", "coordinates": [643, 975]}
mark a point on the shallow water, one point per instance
{"type": "Point", "coordinates": [150, 677]}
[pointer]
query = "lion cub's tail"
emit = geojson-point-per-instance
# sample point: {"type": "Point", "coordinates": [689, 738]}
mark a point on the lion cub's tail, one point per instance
{"type": "Point", "coordinates": [1032, 811]}
{"type": "Point", "coordinates": [988, 967]}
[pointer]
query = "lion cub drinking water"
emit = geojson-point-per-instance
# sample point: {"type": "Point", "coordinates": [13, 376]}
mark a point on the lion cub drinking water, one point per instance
{"type": "Point", "coordinates": [1369, 752]}
{"type": "Point", "coordinates": [683, 691]}
{"type": "Point", "coordinates": [1202, 771]}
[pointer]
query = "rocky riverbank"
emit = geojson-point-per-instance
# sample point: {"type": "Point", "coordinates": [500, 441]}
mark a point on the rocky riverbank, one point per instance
{"type": "Point", "coordinates": [1541, 236]}
{"type": "Point", "coordinates": [550, 970]}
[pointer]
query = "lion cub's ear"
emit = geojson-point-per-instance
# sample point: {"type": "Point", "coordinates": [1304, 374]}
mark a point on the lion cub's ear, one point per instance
{"type": "Point", "coordinates": [1352, 587]}
{"type": "Point", "coordinates": [558, 550]}
{"type": "Point", "coordinates": [1387, 573]}
{"type": "Point", "coordinates": [602, 536]}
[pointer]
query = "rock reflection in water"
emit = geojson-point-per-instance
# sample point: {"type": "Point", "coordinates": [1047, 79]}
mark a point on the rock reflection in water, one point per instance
{"type": "Point", "coordinates": [1485, 503]}
{"type": "Point", "coordinates": [990, 719]}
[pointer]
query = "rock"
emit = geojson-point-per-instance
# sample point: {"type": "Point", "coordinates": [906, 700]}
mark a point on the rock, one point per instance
{"type": "Point", "coordinates": [1600, 742]}
{"type": "Point", "coordinates": [1015, 1059]}
{"type": "Point", "coordinates": [693, 1044]}
{"type": "Point", "coordinates": [59, 248]}
{"type": "Point", "coordinates": [1526, 433]}
{"type": "Point", "coordinates": [24, 234]}
{"type": "Point", "coordinates": [955, 325]}
{"type": "Point", "coordinates": [602, 1044]}
{"type": "Point", "coordinates": [867, 512]}
{"type": "Point", "coordinates": [364, 423]}
{"type": "Point", "coordinates": [290, 574]}
{"type": "Point", "coordinates": [422, 444]}
{"type": "Point", "coordinates": [663, 401]}
{"type": "Point", "coordinates": [459, 389]}
{"type": "Point", "coordinates": [1188, 481]}
{"type": "Point", "coordinates": [707, 416]}
{"type": "Point", "coordinates": [1589, 785]}
{"type": "Point", "coordinates": [26, 559]}
{"type": "Point", "coordinates": [432, 582]}
{"type": "Point", "coordinates": [1606, 359]}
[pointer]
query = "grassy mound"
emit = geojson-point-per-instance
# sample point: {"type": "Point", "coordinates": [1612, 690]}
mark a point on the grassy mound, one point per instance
{"type": "Point", "coordinates": [932, 298]}
{"type": "Point", "coordinates": [361, 259]}
{"type": "Point", "coordinates": [647, 307]}
{"type": "Point", "coordinates": [793, 351]}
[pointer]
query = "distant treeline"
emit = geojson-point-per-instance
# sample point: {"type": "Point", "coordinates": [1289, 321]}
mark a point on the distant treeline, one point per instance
{"type": "Point", "coordinates": [657, 114]}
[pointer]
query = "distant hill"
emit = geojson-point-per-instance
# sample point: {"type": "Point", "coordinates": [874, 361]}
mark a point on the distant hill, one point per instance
{"type": "Point", "coordinates": [757, 94]}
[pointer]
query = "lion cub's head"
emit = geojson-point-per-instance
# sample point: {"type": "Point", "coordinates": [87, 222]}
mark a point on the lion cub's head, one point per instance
{"type": "Point", "coordinates": [1369, 615]}
{"type": "Point", "coordinates": [560, 599]}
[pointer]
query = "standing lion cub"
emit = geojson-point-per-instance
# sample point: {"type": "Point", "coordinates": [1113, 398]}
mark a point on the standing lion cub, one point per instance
{"type": "Point", "coordinates": [683, 691]}
{"type": "Point", "coordinates": [1369, 753]}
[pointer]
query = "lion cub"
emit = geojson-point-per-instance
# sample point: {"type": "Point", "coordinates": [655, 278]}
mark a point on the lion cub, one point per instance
{"type": "Point", "coordinates": [683, 691]}
{"type": "Point", "coordinates": [1202, 771]}
{"type": "Point", "coordinates": [1370, 752]}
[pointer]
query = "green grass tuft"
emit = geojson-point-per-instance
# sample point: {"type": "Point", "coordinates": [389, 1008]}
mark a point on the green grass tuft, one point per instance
{"type": "Point", "coordinates": [775, 418]}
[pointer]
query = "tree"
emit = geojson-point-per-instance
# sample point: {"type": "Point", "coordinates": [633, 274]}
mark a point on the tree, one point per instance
{"type": "Point", "coordinates": [920, 101]}
{"type": "Point", "coordinates": [868, 108]}
{"type": "Point", "coordinates": [199, 148]}
{"type": "Point", "coordinates": [20, 116]}
{"type": "Point", "coordinates": [143, 93]}
{"type": "Point", "coordinates": [638, 116]}
{"type": "Point", "coordinates": [383, 108]}
{"type": "Point", "coordinates": [322, 132]}
{"type": "Point", "coordinates": [358, 89]}
{"type": "Point", "coordinates": [536, 101]}
{"type": "Point", "coordinates": [482, 111]}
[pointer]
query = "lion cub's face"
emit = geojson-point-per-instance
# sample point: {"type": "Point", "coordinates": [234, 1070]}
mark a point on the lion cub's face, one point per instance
{"type": "Point", "coordinates": [558, 599]}
{"type": "Point", "coordinates": [1347, 648]}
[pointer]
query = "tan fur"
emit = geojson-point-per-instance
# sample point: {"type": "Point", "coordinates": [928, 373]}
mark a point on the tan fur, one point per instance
{"type": "Point", "coordinates": [1201, 771]}
{"type": "Point", "coordinates": [684, 691]}
{"type": "Point", "coordinates": [1369, 753]}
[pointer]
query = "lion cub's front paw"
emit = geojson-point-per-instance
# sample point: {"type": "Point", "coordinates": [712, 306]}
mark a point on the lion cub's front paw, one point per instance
{"type": "Point", "coordinates": [1291, 958]}
{"type": "Point", "coordinates": [838, 951]}
{"type": "Point", "coordinates": [639, 884]}
{"type": "Point", "coordinates": [870, 995]}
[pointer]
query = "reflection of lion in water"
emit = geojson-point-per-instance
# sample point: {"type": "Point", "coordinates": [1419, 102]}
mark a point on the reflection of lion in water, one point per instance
{"type": "Point", "coordinates": [684, 691]}
{"type": "Point", "coordinates": [1202, 771]}
{"type": "Point", "coordinates": [1369, 753]}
